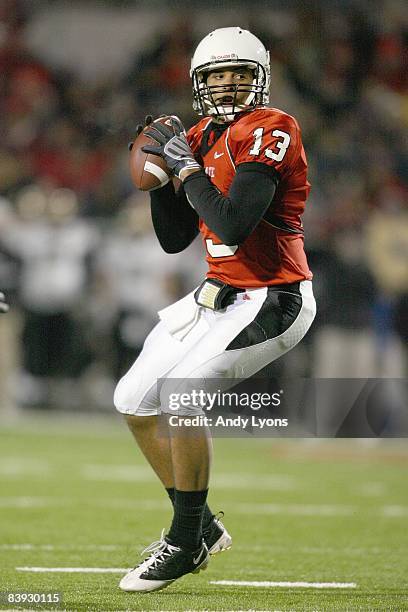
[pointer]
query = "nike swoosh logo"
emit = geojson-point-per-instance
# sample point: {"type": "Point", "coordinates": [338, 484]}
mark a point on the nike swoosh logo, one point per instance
{"type": "Point", "coordinates": [217, 155]}
{"type": "Point", "coordinates": [197, 560]}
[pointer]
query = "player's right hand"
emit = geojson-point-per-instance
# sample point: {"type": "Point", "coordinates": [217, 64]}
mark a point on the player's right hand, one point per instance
{"type": "Point", "coordinates": [3, 304]}
{"type": "Point", "coordinates": [140, 127]}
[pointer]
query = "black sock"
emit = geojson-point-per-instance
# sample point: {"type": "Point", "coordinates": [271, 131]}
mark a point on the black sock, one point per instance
{"type": "Point", "coordinates": [207, 516]}
{"type": "Point", "coordinates": [171, 492]}
{"type": "Point", "coordinates": [187, 524]}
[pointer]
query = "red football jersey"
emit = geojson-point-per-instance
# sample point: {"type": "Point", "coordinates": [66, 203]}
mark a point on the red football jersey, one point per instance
{"type": "Point", "coordinates": [273, 253]}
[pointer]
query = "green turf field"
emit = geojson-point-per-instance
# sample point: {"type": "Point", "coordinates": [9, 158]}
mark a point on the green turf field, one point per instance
{"type": "Point", "coordinates": [77, 494]}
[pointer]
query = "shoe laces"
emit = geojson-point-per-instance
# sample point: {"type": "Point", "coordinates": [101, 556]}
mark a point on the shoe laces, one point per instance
{"type": "Point", "coordinates": [154, 545]}
{"type": "Point", "coordinates": [159, 551]}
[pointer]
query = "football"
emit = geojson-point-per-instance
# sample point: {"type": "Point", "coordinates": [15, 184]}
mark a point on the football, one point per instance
{"type": "Point", "coordinates": [148, 171]}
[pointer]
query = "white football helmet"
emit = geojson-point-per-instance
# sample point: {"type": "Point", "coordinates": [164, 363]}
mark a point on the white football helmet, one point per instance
{"type": "Point", "coordinates": [229, 48]}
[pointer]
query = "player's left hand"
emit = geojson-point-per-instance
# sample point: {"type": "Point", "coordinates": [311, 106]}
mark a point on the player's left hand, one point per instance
{"type": "Point", "coordinates": [172, 145]}
{"type": "Point", "coordinates": [3, 304]}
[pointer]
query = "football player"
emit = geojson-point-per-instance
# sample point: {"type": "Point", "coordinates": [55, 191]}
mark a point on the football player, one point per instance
{"type": "Point", "coordinates": [3, 304]}
{"type": "Point", "coordinates": [243, 174]}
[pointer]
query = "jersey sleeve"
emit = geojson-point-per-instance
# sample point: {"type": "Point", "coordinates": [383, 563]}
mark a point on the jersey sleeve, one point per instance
{"type": "Point", "coordinates": [270, 139]}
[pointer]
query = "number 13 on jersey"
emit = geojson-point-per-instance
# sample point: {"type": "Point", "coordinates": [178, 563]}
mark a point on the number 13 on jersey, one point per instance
{"type": "Point", "coordinates": [281, 146]}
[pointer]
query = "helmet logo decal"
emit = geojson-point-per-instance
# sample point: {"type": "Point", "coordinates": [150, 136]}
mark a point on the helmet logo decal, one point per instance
{"type": "Point", "coordinates": [227, 56]}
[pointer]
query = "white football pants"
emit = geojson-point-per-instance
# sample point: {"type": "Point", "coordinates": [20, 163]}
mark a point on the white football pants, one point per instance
{"type": "Point", "coordinates": [190, 343]}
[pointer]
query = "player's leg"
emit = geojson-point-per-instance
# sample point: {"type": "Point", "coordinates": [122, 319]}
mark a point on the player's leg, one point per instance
{"type": "Point", "coordinates": [138, 393]}
{"type": "Point", "coordinates": [240, 341]}
{"type": "Point", "coordinates": [190, 447]}
{"type": "Point", "coordinates": [154, 444]}
{"type": "Point", "coordinates": [137, 397]}
{"type": "Point", "coordinates": [152, 439]}
{"type": "Point", "coordinates": [183, 550]}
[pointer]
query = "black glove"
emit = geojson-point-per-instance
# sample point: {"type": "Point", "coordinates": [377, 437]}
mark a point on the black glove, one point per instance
{"type": "Point", "coordinates": [172, 145]}
{"type": "Point", "coordinates": [3, 305]}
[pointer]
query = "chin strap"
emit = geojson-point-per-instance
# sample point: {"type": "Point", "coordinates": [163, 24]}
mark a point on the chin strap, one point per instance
{"type": "Point", "coordinates": [229, 112]}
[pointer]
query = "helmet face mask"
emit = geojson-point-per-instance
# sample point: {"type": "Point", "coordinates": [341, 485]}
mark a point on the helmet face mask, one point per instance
{"type": "Point", "coordinates": [229, 49]}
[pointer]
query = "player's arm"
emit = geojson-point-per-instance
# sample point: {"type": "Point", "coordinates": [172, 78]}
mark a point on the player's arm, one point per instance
{"type": "Point", "coordinates": [264, 150]}
{"type": "Point", "coordinates": [3, 304]}
{"type": "Point", "coordinates": [174, 221]}
{"type": "Point", "coordinates": [233, 218]}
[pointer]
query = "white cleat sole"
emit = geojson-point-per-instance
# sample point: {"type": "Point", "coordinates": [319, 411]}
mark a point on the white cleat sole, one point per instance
{"type": "Point", "coordinates": [222, 544]}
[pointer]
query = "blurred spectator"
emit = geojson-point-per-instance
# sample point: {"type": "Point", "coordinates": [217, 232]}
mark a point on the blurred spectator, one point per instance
{"type": "Point", "coordinates": [344, 345]}
{"type": "Point", "coordinates": [54, 247]}
{"type": "Point", "coordinates": [160, 76]}
{"type": "Point", "coordinates": [387, 250]}
{"type": "Point", "coordinates": [9, 274]}
{"type": "Point", "coordinates": [137, 279]}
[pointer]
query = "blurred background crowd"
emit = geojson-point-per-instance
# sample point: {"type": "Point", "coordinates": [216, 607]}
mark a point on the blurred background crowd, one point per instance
{"type": "Point", "coordinates": [78, 258]}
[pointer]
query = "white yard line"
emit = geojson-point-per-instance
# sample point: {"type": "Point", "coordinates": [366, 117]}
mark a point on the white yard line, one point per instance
{"type": "Point", "coordinates": [271, 482]}
{"type": "Point", "coordinates": [101, 547]}
{"type": "Point", "coordinates": [314, 550]}
{"type": "Point", "coordinates": [295, 509]}
{"type": "Point", "coordinates": [310, 510]}
{"type": "Point", "coordinates": [142, 504]}
{"type": "Point", "coordinates": [30, 502]}
{"type": "Point", "coordinates": [298, 585]}
{"type": "Point", "coordinates": [75, 570]}
{"type": "Point", "coordinates": [117, 473]}
{"type": "Point", "coordinates": [254, 583]}
{"type": "Point", "coordinates": [309, 550]}
{"type": "Point", "coordinates": [133, 473]}
{"type": "Point", "coordinates": [24, 503]}
{"type": "Point", "coordinates": [313, 510]}
{"type": "Point", "coordinates": [15, 467]}
{"type": "Point", "coordinates": [394, 511]}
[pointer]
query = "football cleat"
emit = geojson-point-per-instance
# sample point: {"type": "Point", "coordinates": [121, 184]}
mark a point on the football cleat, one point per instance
{"type": "Point", "coordinates": [216, 537]}
{"type": "Point", "coordinates": [164, 565]}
